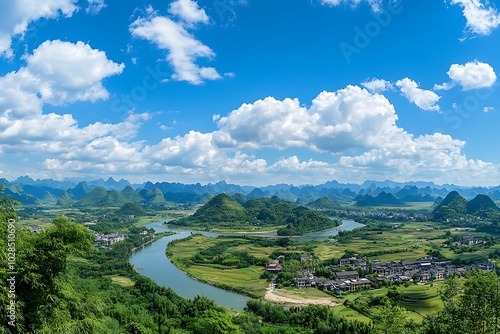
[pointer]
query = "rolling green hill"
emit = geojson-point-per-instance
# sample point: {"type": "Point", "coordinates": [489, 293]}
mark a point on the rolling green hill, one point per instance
{"type": "Point", "coordinates": [154, 196]}
{"type": "Point", "coordinates": [481, 203]}
{"type": "Point", "coordinates": [130, 195]}
{"type": "Point", "coordinates": [455, 206]}
{"type": "Point", "coordinates": [240, 198]}
{"type": "Point", "coordinates": [322, 203]}
{"type": "Point", "coordinates": [381, 199]}
{"type": "Point", "coordinates": [64, 200]}
{"type": "Point", "coordinates": [220, 208]}
{"type": "Point", "coordinates": [100, 197]}
{"type": "Point", "coordinates": [133, 209]}
{"type": "Point", "coordinates": [223, 211]}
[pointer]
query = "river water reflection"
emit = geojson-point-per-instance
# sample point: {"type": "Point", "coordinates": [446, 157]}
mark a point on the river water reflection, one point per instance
{"type": "Point", "coordinates": [152, 262]}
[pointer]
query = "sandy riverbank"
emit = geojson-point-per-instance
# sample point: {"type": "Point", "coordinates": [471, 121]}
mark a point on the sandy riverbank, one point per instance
{"type": "Point", "coordinates": [284, 297]}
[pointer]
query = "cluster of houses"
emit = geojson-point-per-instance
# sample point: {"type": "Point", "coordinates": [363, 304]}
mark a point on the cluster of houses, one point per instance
{"type": "Point", "coordinates": [391, 215]}
{"type": "Point", "coordinates": [343, 281]}
{"type": "Point", "coordinates": [470, 240]}
{"type": "Point", "coordinates": [419, 270]}
{"type": "Point", "coordinates": [423, 270]}
{"type": "Point", "coordinates": [36, 229]}
{"type": "Point", "coordinates": [107, 240]}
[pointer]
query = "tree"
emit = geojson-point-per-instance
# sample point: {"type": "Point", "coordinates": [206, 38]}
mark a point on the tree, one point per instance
{"type": "Point", "coordinates": [470, 306]}
{"type": "Point", "coordinates": [215, 322]}
{"type": "Point", "coordinates": [480, 302]}
{"type": "Point", "coordinates": [390, 319]}
{"type": "Point", "coordinates": [41, 262]}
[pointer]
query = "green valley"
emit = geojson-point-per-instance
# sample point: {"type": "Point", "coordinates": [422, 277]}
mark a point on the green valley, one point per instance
{"type": "Point", "coordinates": [396, 272]}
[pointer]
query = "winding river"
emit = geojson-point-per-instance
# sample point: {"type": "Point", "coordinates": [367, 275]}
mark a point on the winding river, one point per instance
{"type": "Point", "coordinates": [152, 262]}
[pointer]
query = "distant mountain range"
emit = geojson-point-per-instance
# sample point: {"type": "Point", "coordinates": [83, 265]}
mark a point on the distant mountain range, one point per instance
{"type": "Point", "coordinates": [110, 192]}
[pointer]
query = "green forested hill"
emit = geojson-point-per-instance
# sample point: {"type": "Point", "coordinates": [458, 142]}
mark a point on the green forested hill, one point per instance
{"type": "Point", "coordinates": [131, 209]}
{"type": "Point", "coordinates": [323, 203]}
{"type": "Point", "coordinates": [130, 195]}
{"type": "Point", "coordinates": [100, 197]}
{"type": "Point", "coordinates": [220, 208]}
{"type": "Point", "coordinates": [453, 201]}
{"type": "Point", "coordinates": [454, 206]}
{"type": "Point", "coordinates": [64, 200]}
{"type": "Point", "coordinates": [154, 196]}
{"type": "Point", "coordinates": [381, 199]}
{"type": "Point", "coordinates": [223, 211]}
{"type": "Point", "coordinates": [481, 203]}
{"type": "Point", "coordinates": [302, 220]}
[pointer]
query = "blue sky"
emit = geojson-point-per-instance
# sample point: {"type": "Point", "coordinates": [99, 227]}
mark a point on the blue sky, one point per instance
{"type": "Point", "coordinates": [251, 92]}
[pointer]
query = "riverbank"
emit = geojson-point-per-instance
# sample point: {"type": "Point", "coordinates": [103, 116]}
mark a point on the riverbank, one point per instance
{"type": "Point", "coordinates": [225, 287]}
{"type": "Point", "coordinates": [231, 279]}
{"type": "Point", "coordinates": [263, 230]}
{"type": "Point", "coordinates": [155, 265]}
{"type": "Point", "coordinates": [158, 235]}
{"type": "Point", "coordinates": [210, 280]}
{"type": "Point", "coordinates": [245, 280]}
{"type": "Point", "coordinates": [286, 298]}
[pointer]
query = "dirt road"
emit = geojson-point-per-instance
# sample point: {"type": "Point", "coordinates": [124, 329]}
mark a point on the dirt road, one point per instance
{"type": "Point", "coordinates": [284, 297]}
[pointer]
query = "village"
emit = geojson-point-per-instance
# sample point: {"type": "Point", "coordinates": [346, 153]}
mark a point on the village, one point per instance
{"type": "Point", "coordinates": [106, 240]}
{"type": "Point", "coordinates": [367, 274]}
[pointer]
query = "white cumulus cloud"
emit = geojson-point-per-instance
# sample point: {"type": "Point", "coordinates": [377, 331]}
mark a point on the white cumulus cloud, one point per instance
{"type": "Point", "coordinates": [348, 119]}
{"type": "Point", "coordinates": [18, 14]}
{"type": "Point", "coordinates": [182, 47]}
{"type": "Point", "coordinates": [377, 85]}
{"type": "Point", "coordinates": [70, 72]}
{"type": "Point", "coordinates": [424, 99]}
{"type": "Point", "coordinates": [188, 11]}
{"type": "Point", "coordinates": [95, 6]}
{"type": "Point", "coordinates": [481, 18]}
{"type": "Point", "coordinates": [61, 73]}
{"type": "Point", "coordinates": [472, 75]}
{"type": "Point", "coordinates": [56, 73]}
{"type": "Point", "coordinates": [427, 157]}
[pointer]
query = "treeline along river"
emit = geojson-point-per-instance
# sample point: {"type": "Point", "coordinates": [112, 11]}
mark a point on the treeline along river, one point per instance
{"type": "Point", "coordinates": [152, 262]}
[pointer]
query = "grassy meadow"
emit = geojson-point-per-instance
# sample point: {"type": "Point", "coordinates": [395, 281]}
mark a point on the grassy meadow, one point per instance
{"type": "Point", "coordinates": [418, 299]}
{"type": "Point", "coordinates": [244, 279]}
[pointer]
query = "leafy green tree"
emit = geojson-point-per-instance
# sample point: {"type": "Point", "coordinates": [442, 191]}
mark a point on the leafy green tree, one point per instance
{"type": "Point", "coordinates": [323, 272]}
{"type": "Point", "coordinates": [390, 319]}
{"type": "Point", "coordinates": [41, 263]}
{"type": "Point", "coordinates": [470, 306]}
{"type": "Point", "coordinates": [135, 328]}
{"type": "Point", "coordinates": [215, 322]}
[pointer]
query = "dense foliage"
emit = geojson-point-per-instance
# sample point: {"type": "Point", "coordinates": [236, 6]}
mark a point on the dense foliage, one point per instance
{"type": "Point", "coordinates": [470, 306]}
{"type": "Point", "coordinates": [133, 209]}
{"type": "Point", "coordinates": [455, 207]}
{"type": "Point", "coordinates": [320, 319]}
{"type": "Point", "coordinates": [220, 208]}
{"type": "Point", "coordinates": [218, 254]}
{"type": "Point", "coordinates": [303, 220]}
{"type": "Point", "coordinates": [323, 203]}
{"type": "Point", "coordinates": [224, 211]}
